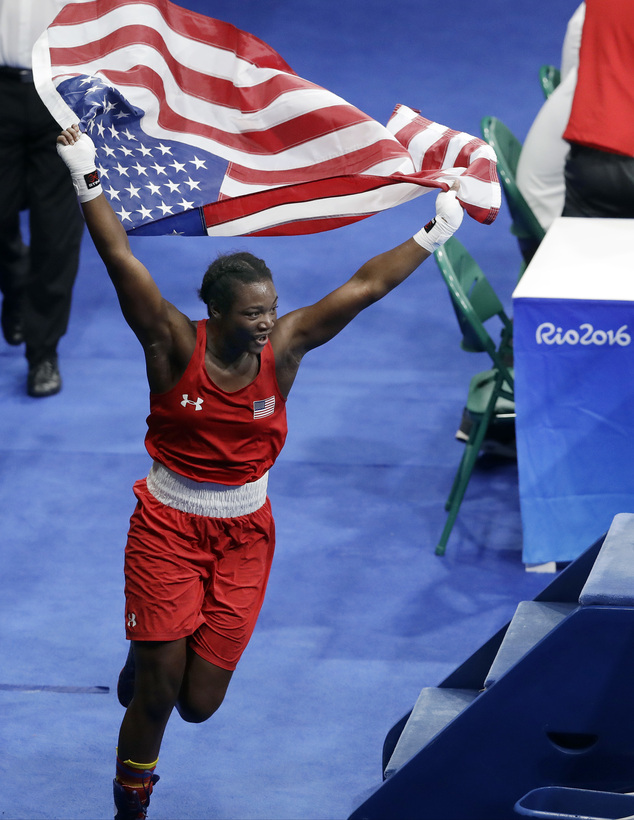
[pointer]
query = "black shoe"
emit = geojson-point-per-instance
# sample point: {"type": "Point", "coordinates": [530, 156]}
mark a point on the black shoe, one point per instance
{"type": "Point", "coordinates": [129, 806]}
{"type": "Point", "coordinates": [125, 684]}
{"type": "Point", "coordinates": [462, 433]}
{"type": "Point", "coordinates": [12, 320]}
{"type": "Point", "coordinates": [44, 378]}
{"type": "Point", "coordinates": [499, 440]}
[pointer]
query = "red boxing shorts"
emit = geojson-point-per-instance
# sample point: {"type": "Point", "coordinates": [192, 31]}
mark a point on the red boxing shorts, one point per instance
{"type": "Point", "coordinates": [197, 577]}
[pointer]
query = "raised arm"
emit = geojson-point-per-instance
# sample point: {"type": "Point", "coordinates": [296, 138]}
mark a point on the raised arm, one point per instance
{"type": "Point", "coordinates": [307, 328]}
{"type": "Point", "coordinates": [164, 332]}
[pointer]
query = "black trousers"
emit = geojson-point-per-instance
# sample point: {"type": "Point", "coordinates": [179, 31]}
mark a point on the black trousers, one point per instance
{"type": "Point", "coordinates": [598, 184]}
{"type": "Point", "coordinates": [33, 177]}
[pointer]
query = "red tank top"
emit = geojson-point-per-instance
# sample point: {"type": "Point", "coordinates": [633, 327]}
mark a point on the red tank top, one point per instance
{"type": "Point", "coordinates": [206, 434]}
{"type": "Point", "coordinates": [602, 114]}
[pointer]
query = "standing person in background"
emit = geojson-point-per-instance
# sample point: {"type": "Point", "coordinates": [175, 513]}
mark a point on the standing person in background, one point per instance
{"type": "Point", "coordinates": [540, 168]}
{"type": "Point", "coordinates": [600, 165]}
{"type": "Point", "coordinates": [201, 539]}
{"type": "Point", "coordinates": [36, 281]}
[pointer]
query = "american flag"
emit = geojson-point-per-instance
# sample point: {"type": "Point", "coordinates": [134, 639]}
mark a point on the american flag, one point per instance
{"type": "Point", "coordinates": [202, 128]}
{"type": "Point", "coordinates": [264, 407]}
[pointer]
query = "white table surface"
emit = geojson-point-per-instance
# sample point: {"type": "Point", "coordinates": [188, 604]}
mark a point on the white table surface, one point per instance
{"type": "Point", "coordinates": [582, 259]}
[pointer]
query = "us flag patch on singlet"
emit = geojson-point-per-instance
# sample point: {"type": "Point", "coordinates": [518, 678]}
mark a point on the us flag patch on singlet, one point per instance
{"type": "Point", "coordinates": [264, 407]}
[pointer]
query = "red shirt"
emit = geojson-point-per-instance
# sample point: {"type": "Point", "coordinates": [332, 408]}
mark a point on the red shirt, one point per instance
{"type": "Point", "coordinates": [206, 434]}
{"type": "Point", "coordinates": [602, 113]}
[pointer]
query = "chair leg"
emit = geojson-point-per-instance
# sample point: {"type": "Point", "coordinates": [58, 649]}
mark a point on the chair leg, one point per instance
{"type": "Point", "coordinates": [458, 490]}
{"type": "Point", "coordinates": [456, 481]}
{"type": "Point", "coordinates": [463, 474]}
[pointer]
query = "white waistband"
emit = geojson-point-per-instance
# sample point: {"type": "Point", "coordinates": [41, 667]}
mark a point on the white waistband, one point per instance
{"type": "Point", "coordinates": [211, 500]}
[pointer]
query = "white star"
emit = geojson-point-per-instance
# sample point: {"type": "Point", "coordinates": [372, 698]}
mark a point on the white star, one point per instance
{"type": "Point", "coordinates": [145, 151]}
{"type": "Point", "coordinates": [199, 163]}
{"type": "Point", "coordinates": [154, 189]}
{"type": "Point", "coordinates": [185, 205]}
{"type": "Point", "coordinates": [173, 186]}
{"type": "Point", "coordinates": [122, 171]}
{"type": "Point", "coordinates": [164, 149]}
{"type": "Point", "coordinates": [109, 106]}
{"type": "Point", "coordinates": [145, 213]}
{"type": "Point", "coordinates": [112, 193]}
{"type": "Point", "coordinates": [166, 209]}
{"type": "Point", "coordinates": [133, 191]}
{"type": "Point", "coordinates": [101, 129]}
{"type": "Point", "coordinates": [123, 214]}
{"type": "Point", "coordinates": [140, 169]}
{"type": "Point", "coordinates": [159, 169]}
{"type": "Point", "coordinates": [86, 80]}
{"type": "Point", "coordinates": [103, 172]}
{"type": "Point", "coordinates": [192, 184]}
{"type": "Point", "coordinates": [177, 166]}
{"type": "Point", "coordinates": [121, 115]}
{"type": "Point", "coordinates": [129, 135]}
{"type": "Point", "coordinates": [125, 150]}
{"type": "Point", "coordinates": [109, 151]}
{"type": "Point", "coordinates": [113, 132]}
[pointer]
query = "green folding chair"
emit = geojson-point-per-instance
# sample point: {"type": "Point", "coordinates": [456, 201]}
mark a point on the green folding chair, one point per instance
{"type": "Point", "coordinates": [549, 79]}
{"type": "Point", "coordinates": [524, 224]}
{"type": "Point", "coordinates": [490, 398]}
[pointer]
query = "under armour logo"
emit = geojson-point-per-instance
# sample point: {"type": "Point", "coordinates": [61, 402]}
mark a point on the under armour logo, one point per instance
{"type": "Point", "coordinates": [198, 404]}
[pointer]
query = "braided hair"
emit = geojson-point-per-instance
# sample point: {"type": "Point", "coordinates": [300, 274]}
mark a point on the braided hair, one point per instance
{"type": "Point", "coordinates": [218, 285]}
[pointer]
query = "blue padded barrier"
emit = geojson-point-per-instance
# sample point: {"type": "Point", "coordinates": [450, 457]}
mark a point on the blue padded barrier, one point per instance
{"type": "Point", "coordinates": [611, 579]}
{"type": "Point", "coordinates": [545, 728]}
{"type": "Point", "coordinates": [434, 709]}
{"type": "Point", "coordinates": [560, 716]}
{"type": "Point", "coordinates": [533, 620]}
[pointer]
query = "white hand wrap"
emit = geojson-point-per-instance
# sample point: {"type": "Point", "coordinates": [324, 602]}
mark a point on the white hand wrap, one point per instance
{"type": "Point", "coordinates": [448, 218]}
{"type": "Point", "coordinates": [80, 161]}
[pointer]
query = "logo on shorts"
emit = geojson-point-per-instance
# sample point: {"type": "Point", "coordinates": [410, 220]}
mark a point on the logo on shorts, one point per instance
{"type": "Point", "coordinates": [131, 620]}
{"type": "Point", "coordinates": [198, 404]}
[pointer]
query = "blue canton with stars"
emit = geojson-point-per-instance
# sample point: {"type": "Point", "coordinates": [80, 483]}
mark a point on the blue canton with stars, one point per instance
{"type": "Point", "coordinates": [155, 187]}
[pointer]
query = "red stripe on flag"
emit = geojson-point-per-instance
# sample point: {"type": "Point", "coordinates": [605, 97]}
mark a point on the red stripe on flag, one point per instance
{"type": "Point", "coordinates": [217, 90]}
{"type": "Point", "coordinates": [230, 209]}
{"type": "Point", "coordinates": [190, 24]}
